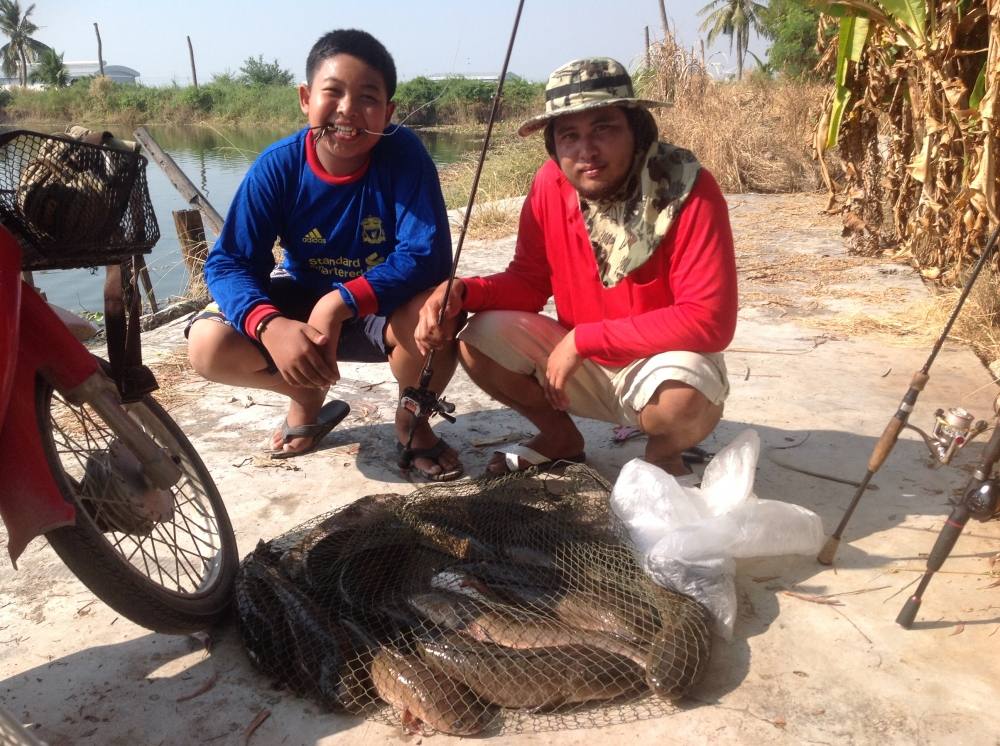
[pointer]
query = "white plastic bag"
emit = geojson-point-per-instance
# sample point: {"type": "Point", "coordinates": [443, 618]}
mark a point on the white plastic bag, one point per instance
{"type": "Point", "coordinates": [687, 537]}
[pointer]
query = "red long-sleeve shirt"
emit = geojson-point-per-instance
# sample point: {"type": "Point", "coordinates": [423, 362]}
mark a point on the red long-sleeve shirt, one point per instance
{"type": "Point", "coordinates": [682, 298]}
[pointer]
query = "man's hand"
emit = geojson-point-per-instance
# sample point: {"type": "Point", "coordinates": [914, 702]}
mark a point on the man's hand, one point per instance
{"type": "Point", "coordinates": [296, 349]}
{"type": "Point", "coordinates": [563, 362]}
{"type": "Point", "coordinates": [428, 334]}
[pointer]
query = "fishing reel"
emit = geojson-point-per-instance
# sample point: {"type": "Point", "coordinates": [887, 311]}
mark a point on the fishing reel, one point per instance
{"type": "Point", "coordinates": [953, 430]}
{"type": "Point", "coordinates": [423, 403]}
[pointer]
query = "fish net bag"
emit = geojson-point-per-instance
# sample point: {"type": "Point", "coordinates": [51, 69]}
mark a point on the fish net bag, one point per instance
{"type": "Point", "coordinates": [504, 605]}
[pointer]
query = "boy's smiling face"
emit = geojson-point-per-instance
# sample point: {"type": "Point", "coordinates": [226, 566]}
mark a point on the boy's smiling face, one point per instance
{"type": "Point", "coordinates": [350, 99]}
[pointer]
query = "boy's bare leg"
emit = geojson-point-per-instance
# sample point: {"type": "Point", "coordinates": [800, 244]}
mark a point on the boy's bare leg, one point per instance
{"type": "Point", "coordinates": [407, 363]}
{"type": "Point", "coordinates": [221, 354]}
{"type": "Point", "coordinates": [677, 417]}
{"type": "Point", "coordinates": [558, 436]}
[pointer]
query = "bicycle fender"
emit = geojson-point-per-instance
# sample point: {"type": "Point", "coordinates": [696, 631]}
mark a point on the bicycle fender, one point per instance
{"type": "Point", "coordinates": [30, 500]}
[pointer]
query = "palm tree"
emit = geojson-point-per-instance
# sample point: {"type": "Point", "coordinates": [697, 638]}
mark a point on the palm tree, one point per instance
{"type": "Point", "coordinates": [21, 49]}
{"type": "Point", "coordinates": [734, 18]}
{"type": "Point", "coordinates": [50, 71]}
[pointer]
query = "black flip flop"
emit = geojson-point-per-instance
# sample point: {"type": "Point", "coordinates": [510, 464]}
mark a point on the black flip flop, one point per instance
{"type": "Point", "coordinates": [432, 453]}
{"type": "Point", "coordinates": [330, 415]}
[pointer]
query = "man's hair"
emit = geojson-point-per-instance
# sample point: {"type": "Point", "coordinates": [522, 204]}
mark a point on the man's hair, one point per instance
{"type": "Point", "coordinates": [358, 44]}
{"type": "Point", "coordinates": [640, 121]}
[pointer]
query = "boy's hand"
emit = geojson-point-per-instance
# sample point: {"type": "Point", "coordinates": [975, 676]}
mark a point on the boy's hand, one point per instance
{"type": "Point", "coordinates": [327, 317]}
{"type": "Point", "coordinates": [296, 350]}
{"type": "Point", "coordinates": [428, 334]}
{"type": "Point", "coordinates": [563, 362]}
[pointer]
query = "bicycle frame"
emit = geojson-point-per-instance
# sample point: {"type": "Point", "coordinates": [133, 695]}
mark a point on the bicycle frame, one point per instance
{"type": "Point", "coordinates": [33, 342]}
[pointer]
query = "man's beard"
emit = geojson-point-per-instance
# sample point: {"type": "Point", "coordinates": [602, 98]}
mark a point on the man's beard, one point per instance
{"type": "Point", "coordinates": [600, 195]}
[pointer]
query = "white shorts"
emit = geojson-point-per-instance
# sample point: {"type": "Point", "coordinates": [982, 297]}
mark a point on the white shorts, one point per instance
{"type": "Point", "coordinates": [521, 342]}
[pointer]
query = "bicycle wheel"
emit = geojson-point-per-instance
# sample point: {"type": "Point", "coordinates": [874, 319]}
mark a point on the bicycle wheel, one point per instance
{"type": "Point", "coordinates": [170, 570]}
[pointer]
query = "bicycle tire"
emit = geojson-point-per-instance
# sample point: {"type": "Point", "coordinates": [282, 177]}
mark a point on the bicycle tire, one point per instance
{"type": "Point", "coordinates": [151, 579]}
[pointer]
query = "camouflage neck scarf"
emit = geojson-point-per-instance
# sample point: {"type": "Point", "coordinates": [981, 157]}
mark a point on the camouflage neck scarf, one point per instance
{"type": "Point", "coordinates": [626, 228]}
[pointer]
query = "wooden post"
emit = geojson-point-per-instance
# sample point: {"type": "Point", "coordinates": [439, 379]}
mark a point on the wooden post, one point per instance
{"type": "Point", "coordinates": [649, 62]}
{"type": "Point", "coordinates": [194, 250]}
{"type": "Point", "coordinates": [100, 53]}
{"type": "Point", "coordinates": [147, 284]}
{"type": "Point", "coordinates": [663, 19]}
{"type": "Point", "coordinates": [194, 72]}
{"type": "Point", "coordinates": [180, 181]}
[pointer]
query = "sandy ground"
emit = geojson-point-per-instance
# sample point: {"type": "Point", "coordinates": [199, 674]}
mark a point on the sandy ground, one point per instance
{"type": "Point", "coordinates": [816, 656]}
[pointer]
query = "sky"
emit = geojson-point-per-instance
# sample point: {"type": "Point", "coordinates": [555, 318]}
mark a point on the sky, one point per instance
{"type": "Point", "coordinates": [425, 37]}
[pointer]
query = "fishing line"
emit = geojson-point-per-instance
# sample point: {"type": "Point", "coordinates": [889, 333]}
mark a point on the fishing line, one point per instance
{"type": "Point", "coordinates": [452, 80]}
{"type": "Point", "coordinates": [421, 401]}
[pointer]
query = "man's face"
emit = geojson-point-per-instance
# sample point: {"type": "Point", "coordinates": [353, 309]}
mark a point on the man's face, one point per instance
{"type": "Point", "coordinates": [595, 150]}
{"type": "Point", "coordinates": [350, 99]}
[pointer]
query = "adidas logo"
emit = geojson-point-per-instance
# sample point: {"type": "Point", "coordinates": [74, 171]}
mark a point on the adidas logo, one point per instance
{"type": "Point", "coordinates": [313, 236]}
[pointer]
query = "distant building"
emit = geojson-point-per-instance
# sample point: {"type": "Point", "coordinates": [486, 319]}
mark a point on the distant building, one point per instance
{"type": "Point", "coordinates": [117, 73]}
{"type": "Point", "coordinates": [485, 77]}
{"type": "Point", "coordinates": [77, 70]}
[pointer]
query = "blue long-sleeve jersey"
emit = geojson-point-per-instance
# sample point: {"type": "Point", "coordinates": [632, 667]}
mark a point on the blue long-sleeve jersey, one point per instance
{"type": "Point", "coordinates": [379, 238]}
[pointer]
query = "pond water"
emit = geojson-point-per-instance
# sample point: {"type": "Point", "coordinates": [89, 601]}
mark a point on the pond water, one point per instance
{"type": "Point", "coordinates": [215, 160]}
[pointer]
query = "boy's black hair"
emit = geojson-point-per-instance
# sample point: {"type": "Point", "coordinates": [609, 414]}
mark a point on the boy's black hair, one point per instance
{"type": "Point", "coordinates": [358, 44]}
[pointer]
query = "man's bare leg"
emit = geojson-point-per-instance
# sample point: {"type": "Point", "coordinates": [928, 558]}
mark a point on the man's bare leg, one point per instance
{"type": "Point", "coordinates": [558, 436]}
{"type": "Point", "coordinates": [221, 354]}
{"type": "Point", "coordinates": [407, 363]}
{"type": "Point", "coordinates": [676, 418]}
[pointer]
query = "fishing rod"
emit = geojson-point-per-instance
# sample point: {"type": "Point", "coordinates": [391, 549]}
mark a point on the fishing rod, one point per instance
{"type": "Point", "coordinates": [891, 433]}
{"type": "Point", "coordinates": [420, 401]}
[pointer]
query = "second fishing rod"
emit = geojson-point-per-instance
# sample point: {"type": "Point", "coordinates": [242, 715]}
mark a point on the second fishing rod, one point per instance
{"type": "Point", "coordinates": [956, 429]}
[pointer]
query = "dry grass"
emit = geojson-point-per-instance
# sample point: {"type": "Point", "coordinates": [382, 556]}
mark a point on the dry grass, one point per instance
{"type": "Point", "coordinates": [510, 166]}
{"type": "Point", "coordinates": [754, 136]}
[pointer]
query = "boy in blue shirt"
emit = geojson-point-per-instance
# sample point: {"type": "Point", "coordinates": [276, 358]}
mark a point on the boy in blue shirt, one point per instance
{"type": "Point", "coordinates": [357, 207]}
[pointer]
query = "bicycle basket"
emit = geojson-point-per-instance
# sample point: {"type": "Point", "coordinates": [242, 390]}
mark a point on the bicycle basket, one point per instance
{"type": "Point", "coordinates": [73, 204]}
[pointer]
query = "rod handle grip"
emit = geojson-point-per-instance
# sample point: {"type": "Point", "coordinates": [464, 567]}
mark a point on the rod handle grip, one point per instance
{"type": "Point", "coordinates": [885, 443]}
{"type": "Point", "coordinates": [908, 613]}
{"type": "Point", "coordinates": [829, 551]}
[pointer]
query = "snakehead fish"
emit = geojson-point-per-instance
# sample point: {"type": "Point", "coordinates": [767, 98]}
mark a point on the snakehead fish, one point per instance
{"type": "Point", "coordinates": [680, 653]}
{"type": "Point", "coordinates": [308, 649]}
{"type": "Point", "coordinates": [513, 628]}
{"type": "Point", "coordinates": [424, 696]}
{"type": "Point", "coordinates": [539, 678]}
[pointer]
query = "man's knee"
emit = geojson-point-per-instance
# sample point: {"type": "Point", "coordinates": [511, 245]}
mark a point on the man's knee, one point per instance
{"type": "Point", "coordinates": [677, 405]}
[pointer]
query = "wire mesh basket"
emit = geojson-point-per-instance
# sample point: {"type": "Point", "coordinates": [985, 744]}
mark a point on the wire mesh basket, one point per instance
{"type": "Point", "coordinates": [505, 605]}
{"type": "Point", "coordinates": [73, 204]}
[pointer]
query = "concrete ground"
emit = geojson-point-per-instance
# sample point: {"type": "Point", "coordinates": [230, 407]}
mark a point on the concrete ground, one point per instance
{"type": "Point", "coordinates": [816, 656]}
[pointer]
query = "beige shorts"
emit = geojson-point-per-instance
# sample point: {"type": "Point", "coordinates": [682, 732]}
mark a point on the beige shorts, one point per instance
{"type": "Point", "coordinates": [521, 342]}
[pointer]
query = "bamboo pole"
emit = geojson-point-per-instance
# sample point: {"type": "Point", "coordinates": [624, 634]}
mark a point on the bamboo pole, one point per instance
{"type": "Point", "coordinates": [194, 72]}
{"type": "Point", "coordinates": [147, 284]}
{"type": "Point", "coordinates": [100, 53]}
{"type": "Point", "coordinates": [180, 181]}
{"type": "Point", "coordinates": [194, 250]}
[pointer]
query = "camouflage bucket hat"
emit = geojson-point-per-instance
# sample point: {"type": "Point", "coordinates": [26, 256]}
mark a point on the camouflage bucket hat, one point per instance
{"type": "Point", "coordinates": [586, 84]}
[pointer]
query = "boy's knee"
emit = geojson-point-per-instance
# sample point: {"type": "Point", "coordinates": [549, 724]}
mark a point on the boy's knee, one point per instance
{"type": "Point", "coordinates": [204, 353]}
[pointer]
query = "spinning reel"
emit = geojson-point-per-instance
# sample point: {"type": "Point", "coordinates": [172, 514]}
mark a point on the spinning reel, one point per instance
{"type": "Point", "coordinates": [980, 500]}
{"type": "Point", "coordinates": [953, 430]}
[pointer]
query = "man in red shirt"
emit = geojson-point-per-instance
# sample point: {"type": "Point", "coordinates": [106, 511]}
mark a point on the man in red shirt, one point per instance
{"type": "Point", "coordinates": [631, 238]}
